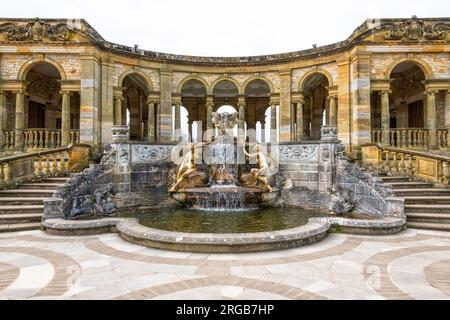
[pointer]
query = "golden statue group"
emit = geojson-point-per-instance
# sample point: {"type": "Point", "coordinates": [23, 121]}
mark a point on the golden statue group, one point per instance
{"type": "Point", "coordinates": [189, 175]}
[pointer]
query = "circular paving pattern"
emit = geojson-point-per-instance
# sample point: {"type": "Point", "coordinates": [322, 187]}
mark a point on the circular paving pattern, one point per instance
{"type": "Point", "coordinates": [339, 267]}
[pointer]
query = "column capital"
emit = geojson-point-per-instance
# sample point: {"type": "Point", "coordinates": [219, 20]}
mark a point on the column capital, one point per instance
{"type": "Point", "coordinates": [299, 100]}
{"type": "Point", "coordinates": [65, 92]}
{"type": "Point", "coordinates": [332, 97]}
{"type": "Point", "coordinates": [151, 100]}
{"type": "Point", "coordinates": [430, 91]}
{"type": "Point", "coordinates": [384, 91]}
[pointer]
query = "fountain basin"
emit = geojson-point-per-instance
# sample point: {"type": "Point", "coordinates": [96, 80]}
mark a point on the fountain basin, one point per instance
{"type": "Point", "coordinates": [224, 198]}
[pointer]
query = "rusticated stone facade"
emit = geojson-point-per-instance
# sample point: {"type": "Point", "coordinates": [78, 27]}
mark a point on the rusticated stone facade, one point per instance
{"type": "Point", "coordinates": [347, 84]}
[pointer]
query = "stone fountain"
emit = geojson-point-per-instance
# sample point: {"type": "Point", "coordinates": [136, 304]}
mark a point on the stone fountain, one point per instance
{"type": "Point", "coordinates": [221, 182]}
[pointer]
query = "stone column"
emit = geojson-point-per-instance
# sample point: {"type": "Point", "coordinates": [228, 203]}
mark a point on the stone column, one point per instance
{"type": "Point", "coordinates": [118, 112]}
{"type": "Point", "coordinates": [299, 119]}
{"type": "Point", "coordinates": [431, 117]}
{"type": "Point", "coordinates": [273, 123]}
{"type": "Point", "coordinates": [263, 132]}
{"type": "Point", "coordinates": [65, 118]}
{"type": "Point", "coordinates": [447, 115]}
{"type": "Point", "coordinates": [241, 125]}
{"type": "Point", "coordinates": [385, 117]}
{"type": "Point", "coordinates": [20, 113]}
{"type": "Point", "coordinates": [209, 111]}
{"type": "Point", "coordinates": [333, 111]}
{"type": "Point", "coordinates": [2, 116]}
{"type": "Point", "coordinates": [151, 121]}
{"type": "Point", "coordinates": [177, 122]}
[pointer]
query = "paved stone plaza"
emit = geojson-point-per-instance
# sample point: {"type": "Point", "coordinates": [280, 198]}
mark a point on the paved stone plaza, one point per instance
{"type": "Point", "coordinates": [411, 265]}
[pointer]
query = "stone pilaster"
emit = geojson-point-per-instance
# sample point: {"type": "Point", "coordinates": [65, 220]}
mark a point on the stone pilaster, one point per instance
{"type": "Point", "coordinates": [107, 102]}
{"type": "Point", "coordinates": [65, 118]}
{"type": "Point", "coordinates": [285, 106]}
{"type": "Point", "coordinates": [360, 86]}
{"type": "Point", "coordinates": [90, 128]}
{"type": "Point", "coordinates": [165, 107]}
{"type": "Point", "coordinates": [385, 117]}
{"type": "Point", "coordinates": [20, 114]}
{"type": "Point", "coordinates": [343, 112]}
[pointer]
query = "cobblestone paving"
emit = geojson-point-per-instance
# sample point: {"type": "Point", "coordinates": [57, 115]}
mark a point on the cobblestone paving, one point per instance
{"type": "Point", "coordinates": [411, 265]}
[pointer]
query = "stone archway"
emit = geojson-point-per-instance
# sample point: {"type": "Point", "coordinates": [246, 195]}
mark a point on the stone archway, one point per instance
{"type": "Point", "coordinates": [193, 98]}
{"type": "Point", "coordinates": [135, 92]}
{"type": "Point", "coordinates": [315, 107]}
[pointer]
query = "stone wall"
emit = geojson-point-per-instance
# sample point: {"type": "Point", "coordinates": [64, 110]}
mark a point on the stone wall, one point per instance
{"type": "Point", "coordinates": [371, 196]}
{"type": "Point", "coordinates": [86, 183]}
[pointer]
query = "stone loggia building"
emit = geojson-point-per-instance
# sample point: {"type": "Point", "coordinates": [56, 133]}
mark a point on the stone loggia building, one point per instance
{"type": "Point", "coordinates": [62, 82]}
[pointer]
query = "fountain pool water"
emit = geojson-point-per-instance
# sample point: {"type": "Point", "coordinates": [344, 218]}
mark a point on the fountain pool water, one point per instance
{"type": "Point", "coordinates": [245, 221]}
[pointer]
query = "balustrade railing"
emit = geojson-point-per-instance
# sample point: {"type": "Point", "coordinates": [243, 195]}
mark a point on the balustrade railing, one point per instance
{"type": "Point", "coordinates": [74, 136]}
{"type": "Point", "coordinates": [40, 138]}
{"type": "Point", "coordinates": [34, 166]}
{"type": "Point", "coordinates": [414, 138]}
{"type": "Point", "coordinates": [394, 161]}
{"type": "Point", "coordinates": [8, 139]}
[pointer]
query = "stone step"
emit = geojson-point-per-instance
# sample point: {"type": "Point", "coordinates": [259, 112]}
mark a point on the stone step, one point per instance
{"type": "Point", "coordinates": [27, 193]}
{"type": "Point", "coordinates": [37, 185]}
{"type": "Point", "coordinates": [395, 179]}
{"type": "Point", "coordinates": [421, 192]}
{"type": "Point", "coordinates": [55, 179]}
{"type": "Point", "coordinates": [7, 209]}
{"type": "Point", "coordinates": [20, 218]}
{"type": "Point", "coordinates": [21, 200]}
{"type": "Point", "coordinates": [410, 185]}
{"type": "Point", "coordinates": [427, 208]}
{"type": "Point", "coordinates": [428, 217]}
{"type": "Point", "coordinates": [429, 226]}
{"type": "Point", "coordinates": [427, 199]}
{"type": "Point", "coordinates": [20, 226]}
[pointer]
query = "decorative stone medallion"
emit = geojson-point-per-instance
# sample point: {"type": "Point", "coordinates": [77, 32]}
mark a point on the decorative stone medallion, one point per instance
{"type": "Point", "coordinates": [150, 153]}
{"type": "Point", "coordinates": [298, 153]}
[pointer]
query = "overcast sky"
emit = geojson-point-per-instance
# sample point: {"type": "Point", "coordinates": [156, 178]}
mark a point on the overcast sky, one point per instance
{"type": "Point", "coordinates": [225, 27]}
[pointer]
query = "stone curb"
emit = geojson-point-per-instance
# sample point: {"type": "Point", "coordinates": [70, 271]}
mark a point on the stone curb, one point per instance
{"type": "Point", "coordinates": [315, 230]}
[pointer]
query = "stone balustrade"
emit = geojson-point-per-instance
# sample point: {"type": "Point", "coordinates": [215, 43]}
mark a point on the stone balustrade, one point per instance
{"type": "Point", "coordinates": [40, 138]}
{"type": "Point", "coordinates": [74, 136]}
{"type": "Point", "coordinates": [8, 139]}
{"type": "Point", "coordinates": [435, 168]}
{"type": "Point", "coordinates": [414, 138]}
{"type": "Point", "coordinates": [34, 166]}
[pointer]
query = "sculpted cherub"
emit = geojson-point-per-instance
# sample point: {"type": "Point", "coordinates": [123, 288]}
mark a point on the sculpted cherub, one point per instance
{"type": "Point", "coordinates": [265, 168]}
{"type": "Point", "coordinates": [187, 173]}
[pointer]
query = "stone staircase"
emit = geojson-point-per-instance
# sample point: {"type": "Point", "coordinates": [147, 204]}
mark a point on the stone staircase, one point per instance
{"type": "Point", "coordinates": [426, 206]}
{"type": "Point", "coordinates": [22, 208]}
